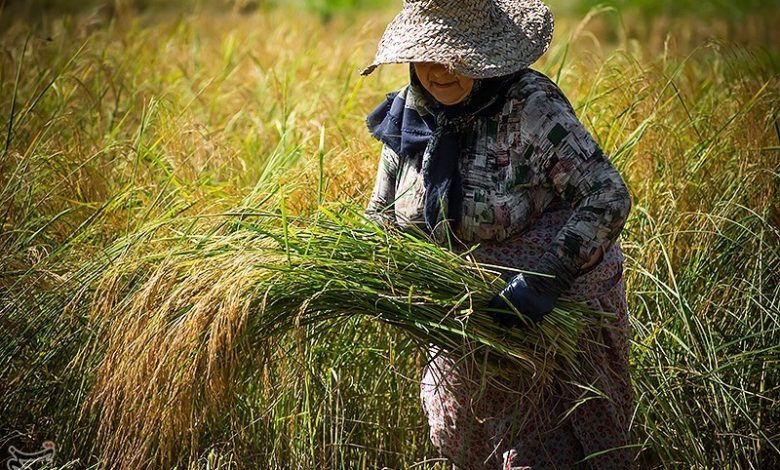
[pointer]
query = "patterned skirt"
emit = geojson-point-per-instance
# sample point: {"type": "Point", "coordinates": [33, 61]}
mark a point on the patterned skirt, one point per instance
{"type": "Point", "coordinates": [473, 417]}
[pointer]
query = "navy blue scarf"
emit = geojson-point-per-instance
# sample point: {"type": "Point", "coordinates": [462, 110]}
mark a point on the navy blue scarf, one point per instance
{"type": "Point", "coordinates": [409, 124]}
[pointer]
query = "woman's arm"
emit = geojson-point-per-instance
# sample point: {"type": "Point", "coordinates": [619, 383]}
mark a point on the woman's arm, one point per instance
{"type": "Point", "coordinates": [580, 173]}
{"type": "Point", "coordinates": [380, 207]}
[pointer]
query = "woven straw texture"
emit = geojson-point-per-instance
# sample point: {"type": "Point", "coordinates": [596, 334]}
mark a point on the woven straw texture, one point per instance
{"type": "Point", "coordinates": [475, 38]}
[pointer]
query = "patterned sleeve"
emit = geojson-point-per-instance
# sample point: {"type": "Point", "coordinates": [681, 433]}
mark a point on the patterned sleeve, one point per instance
{"type": "Point", "coordinates": [381, 205]}
{"type": "Point", "coordinates": [573, 164]}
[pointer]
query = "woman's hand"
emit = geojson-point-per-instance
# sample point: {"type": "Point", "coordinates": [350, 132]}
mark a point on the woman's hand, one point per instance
{"type": "Point", "coordinates": [529, 302]}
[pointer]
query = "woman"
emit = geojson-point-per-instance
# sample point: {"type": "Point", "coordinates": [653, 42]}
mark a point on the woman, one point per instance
{"type": "Point", "coordinates": [478, 148]}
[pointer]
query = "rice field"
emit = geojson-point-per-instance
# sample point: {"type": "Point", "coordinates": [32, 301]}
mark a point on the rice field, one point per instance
{"type": "Point", "coordinates": [155, 155]}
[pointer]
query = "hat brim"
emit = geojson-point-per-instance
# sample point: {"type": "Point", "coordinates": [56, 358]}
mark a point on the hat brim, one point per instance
{"type": "Point", "coordinates": [509, 37]}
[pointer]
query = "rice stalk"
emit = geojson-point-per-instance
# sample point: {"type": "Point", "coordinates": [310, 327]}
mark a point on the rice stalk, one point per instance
{"type": "Point", "coordinates": [179, 341]}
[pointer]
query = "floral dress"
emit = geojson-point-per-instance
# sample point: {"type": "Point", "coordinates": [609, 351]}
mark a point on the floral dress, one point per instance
{"type": "Point", "coordinates": [536, 186]}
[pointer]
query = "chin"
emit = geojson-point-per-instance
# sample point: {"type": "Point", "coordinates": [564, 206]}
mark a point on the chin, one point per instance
{"type": "Point", "coordinates": [449, 102]}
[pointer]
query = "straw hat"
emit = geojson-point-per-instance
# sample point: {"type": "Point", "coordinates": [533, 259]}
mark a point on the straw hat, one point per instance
{"type": "Point", "coordinates": [476, 38]}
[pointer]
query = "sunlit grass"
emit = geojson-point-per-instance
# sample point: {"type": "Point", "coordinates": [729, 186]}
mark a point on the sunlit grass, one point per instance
{"type": "Point", "coordinates": [165, 130]}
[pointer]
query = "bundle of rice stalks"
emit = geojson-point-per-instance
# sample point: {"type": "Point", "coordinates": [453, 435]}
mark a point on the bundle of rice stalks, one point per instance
{"type": "Point", "coordinates": [185, 328]}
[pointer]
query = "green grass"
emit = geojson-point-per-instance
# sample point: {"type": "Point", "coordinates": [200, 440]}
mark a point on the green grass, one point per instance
{"type": "Point", "coordinates": [738, 8]}
{"type": "Point", "coordinates": [161, 130]}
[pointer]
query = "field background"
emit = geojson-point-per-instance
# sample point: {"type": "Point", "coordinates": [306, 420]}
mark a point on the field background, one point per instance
{"type": "Point", "coordinates": [140, 120]}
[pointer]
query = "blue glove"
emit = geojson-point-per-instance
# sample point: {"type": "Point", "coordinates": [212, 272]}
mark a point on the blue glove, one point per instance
{"type": "Point", "coordinates": [528, 301]}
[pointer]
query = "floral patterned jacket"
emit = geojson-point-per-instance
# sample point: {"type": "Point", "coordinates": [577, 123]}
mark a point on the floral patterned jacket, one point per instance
{"type": "Point", "coordinates": [531, 157]}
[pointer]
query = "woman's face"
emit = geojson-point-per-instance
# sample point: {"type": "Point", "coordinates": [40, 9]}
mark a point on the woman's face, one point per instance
{"type": "Point", "coordinates": [447, 87]}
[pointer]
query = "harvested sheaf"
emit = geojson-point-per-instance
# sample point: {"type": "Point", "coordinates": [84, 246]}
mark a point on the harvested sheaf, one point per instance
{"type": "Point", "coordinates": [184, 330]}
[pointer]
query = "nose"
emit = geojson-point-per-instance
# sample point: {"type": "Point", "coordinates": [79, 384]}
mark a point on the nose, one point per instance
{"type": "Point", "coordinates": [439, 72]}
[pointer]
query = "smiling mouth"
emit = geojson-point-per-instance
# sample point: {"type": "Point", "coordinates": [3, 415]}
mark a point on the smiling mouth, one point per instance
{"type": "Point", "coordinates": [443, 85]}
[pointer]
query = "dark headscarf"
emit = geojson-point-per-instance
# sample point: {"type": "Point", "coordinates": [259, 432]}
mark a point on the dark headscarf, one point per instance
{"type": "Point", "coordinates": [409, 126]}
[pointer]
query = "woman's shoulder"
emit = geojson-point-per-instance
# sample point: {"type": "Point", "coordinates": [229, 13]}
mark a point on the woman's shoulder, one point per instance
{"type": "Point", "coordinates": [540, 112]}
{"type": "Point", "coordinates": [533, 89]}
